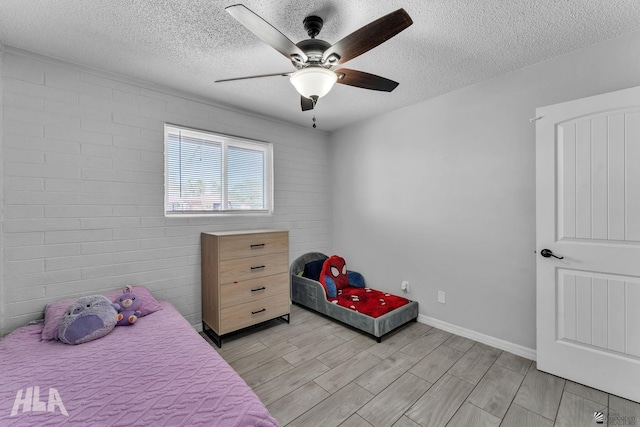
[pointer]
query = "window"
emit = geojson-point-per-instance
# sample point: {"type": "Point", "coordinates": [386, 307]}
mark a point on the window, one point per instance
{"type": "Point", "coordinates": [209, 174]}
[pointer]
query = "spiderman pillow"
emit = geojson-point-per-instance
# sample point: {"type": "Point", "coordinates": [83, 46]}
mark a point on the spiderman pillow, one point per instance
{"type": "Point", "coordinates": [334, 276]}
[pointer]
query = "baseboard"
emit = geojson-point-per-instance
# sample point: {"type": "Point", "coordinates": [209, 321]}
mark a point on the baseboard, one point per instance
{"type": "Point", "coordinates": [527, 353]}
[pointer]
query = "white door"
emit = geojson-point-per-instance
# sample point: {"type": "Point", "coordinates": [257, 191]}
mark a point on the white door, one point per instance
{"type": "Point", "coordinates": [588, 212]}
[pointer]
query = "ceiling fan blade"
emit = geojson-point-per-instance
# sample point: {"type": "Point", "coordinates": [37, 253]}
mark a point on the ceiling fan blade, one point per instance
{"type": "Point", "coordinates": [368, 37]}
{"type": "Point", "coordinates": [267, 32]}
{"type": "Point", "coordinates": [364, 80]}
{"type": "Point", "coordinates": [306, 103]}
{"type": "Point", "coordinates": [288, 73]}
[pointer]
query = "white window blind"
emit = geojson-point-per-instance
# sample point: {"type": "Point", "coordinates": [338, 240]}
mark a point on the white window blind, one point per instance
{"type": "Point", "coordinates": [207, 173]}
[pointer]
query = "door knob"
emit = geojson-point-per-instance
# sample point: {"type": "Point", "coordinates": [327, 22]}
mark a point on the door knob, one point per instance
{"type": "Point", "coordinates": [549, 253]}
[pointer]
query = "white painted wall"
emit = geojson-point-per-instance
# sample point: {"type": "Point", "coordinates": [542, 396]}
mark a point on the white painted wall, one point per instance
{"type": "Point", "coordinates": [442, 193]}
{"type": "Point", "coordinates": [83, 180]}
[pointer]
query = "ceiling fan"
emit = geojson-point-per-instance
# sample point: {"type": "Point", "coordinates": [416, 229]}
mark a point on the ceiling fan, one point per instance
{"type": "Point", "coordinates": [315, 59]}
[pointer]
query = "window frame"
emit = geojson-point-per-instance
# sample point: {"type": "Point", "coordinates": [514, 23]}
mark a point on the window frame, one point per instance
{"type": "Point", "coordinates": [226, 141]}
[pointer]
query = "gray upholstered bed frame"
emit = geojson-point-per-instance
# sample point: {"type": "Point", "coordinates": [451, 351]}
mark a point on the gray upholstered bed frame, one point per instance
{"type": "Point", "coordinates": [311, 294]}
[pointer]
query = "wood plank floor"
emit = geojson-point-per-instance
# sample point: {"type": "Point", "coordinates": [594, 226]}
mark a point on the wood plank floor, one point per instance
{"type": "Point", "coordinates": [317, 372]}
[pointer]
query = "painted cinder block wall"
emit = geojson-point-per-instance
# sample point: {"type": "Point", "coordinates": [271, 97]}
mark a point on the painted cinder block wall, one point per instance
{"type": "Point", "coordinates": [82, 187]}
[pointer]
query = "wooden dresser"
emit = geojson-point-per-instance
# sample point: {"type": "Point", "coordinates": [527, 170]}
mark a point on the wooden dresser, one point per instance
{"type": "Point", "coordinates": [245, 279]}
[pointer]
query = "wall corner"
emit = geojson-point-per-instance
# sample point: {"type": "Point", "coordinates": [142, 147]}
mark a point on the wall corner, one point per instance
{"type": "Point", "coordinates": [2, 296]}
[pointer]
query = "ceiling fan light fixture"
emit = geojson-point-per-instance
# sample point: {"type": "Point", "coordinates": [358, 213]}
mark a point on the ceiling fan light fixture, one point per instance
{"type": "Point", "coordinates": [313, 81]}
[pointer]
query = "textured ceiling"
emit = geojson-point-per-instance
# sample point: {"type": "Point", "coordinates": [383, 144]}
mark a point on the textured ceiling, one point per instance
{"type": "Point", "coordinates": [187, 44]}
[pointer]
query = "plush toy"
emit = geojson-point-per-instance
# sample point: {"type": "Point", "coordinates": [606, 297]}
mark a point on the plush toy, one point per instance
{"type": "Point", "coordinates": [334, 276]}
{"type": "Point", "coordinates": [128, 307]}
{"type": "Point", "coordinates": [87, 319]}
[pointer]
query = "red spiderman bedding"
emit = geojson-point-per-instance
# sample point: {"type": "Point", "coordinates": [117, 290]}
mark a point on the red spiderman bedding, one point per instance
{"type": "Point", "coordinates": [347, 288]}
{"type": "Point", "coordinates": [368, 301]}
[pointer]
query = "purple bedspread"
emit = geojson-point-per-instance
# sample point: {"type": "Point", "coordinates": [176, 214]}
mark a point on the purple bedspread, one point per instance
{"type": "Point", "coordinates": [156, 372]}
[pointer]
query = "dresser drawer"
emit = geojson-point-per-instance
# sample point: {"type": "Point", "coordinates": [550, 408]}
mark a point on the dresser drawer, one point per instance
{"type": "Point", "coordinates": [252, 290]}
{"type": "Point", "coordinates": [251, 245]}
{"type": "Point", "coordinates": [243, 315]}
{"type": "Point", "coordinates": [240, 269]}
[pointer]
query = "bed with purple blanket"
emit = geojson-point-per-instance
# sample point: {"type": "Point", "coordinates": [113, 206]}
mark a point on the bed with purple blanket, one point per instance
{"type": "Point", "coordinates": [156, 372]}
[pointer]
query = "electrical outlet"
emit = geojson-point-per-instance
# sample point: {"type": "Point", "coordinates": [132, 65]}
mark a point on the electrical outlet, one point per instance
{"type": "Point", "coordinates": [442, 297]}
{"type": "Point", "coordinates": [404, 286]}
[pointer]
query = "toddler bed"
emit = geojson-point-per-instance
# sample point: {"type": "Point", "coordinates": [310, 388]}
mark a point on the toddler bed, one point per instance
{"type": "Point", "coordinates": [386, 311]}
{"type": "Point", "coordinates": [158, 371]}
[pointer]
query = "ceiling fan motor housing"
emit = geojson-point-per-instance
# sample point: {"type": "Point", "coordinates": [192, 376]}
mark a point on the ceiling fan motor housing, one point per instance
{"type": "Point", "coordinates": [313, 48]}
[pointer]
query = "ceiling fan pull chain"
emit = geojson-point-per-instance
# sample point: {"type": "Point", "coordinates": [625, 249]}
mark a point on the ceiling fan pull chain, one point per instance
{"type": "Point", "coordinates": [314, 121]}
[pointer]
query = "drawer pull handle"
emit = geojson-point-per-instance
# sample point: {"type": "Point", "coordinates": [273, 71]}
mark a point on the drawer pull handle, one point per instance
{"type": "Point", "coordinates": [259, 245]}
{"type": "Point", "coordinates": [258, 267]}
{"type": "Point", "coordinates": [258, 289]}
{"type": "Point", "coordinates": [259, 311]}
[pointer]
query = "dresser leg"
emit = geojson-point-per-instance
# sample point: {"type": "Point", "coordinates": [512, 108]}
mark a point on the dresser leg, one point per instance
{"type": "Point", "coordinates": [217, 339]}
